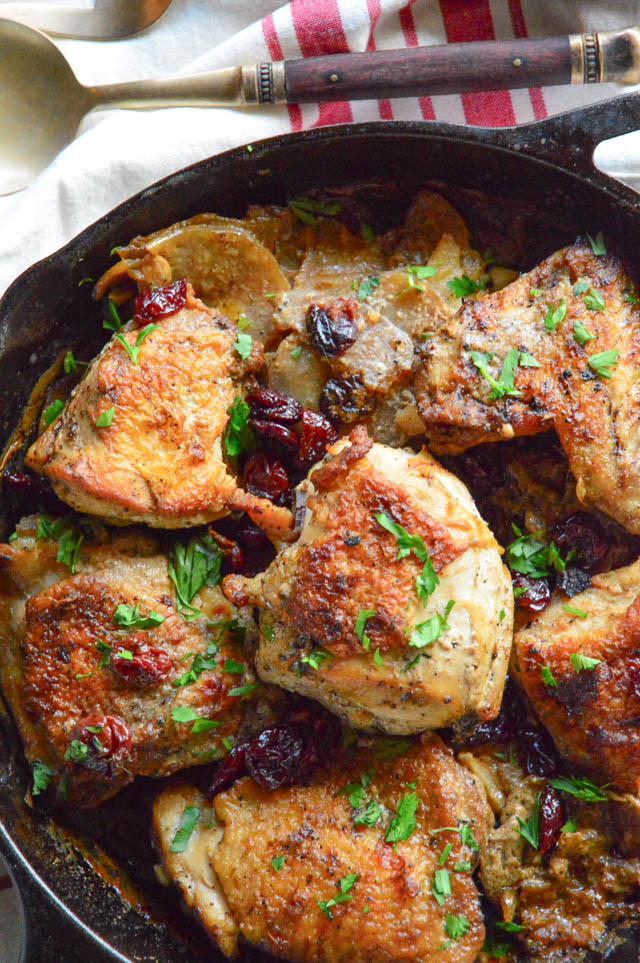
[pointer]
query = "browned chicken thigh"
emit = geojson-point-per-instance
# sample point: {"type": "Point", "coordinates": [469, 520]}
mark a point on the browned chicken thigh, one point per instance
{"type": "Point", "coordinates": [559, 347]}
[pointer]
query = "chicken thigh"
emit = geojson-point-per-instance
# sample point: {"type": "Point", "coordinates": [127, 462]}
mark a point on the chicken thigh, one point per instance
{"type": "Point", "coordinates": [393, 608]}
{"type": "Point", "coordinates": [350, 865]}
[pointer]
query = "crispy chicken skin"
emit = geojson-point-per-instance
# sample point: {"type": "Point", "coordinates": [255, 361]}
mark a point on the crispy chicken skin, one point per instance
{"type": "Point", "coordinates": [160, 459]}
{"type": "Point", "coordinates": [57, 678]}
{"type": "Point", "coordinates": [229, 881]}
{"type": "Point", "coordinates": [345, 561]}
{"type": "Point", "coordinates": [594, 415]}
{"type": "Point", "coordinates": [593, 714]}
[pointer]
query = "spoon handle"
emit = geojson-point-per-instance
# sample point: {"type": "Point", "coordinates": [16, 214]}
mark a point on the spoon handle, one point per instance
{"type": "Point", "coordinates": [446, 69]}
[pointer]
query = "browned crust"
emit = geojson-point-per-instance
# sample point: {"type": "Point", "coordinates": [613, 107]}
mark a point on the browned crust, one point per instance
{"type": "Point", "coordinates": [326, 475]}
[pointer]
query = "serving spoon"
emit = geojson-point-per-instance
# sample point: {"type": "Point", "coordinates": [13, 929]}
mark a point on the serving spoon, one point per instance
{"type": "Point", "coordinates": [105, 20]}
{"type": "Point", "coordinates": [42, 102]}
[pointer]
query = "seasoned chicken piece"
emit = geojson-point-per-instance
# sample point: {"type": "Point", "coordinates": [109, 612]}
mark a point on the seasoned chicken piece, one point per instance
{"type": "Point", "coordinates": [588, 697]}
{"type": "Point", "coordinates": [223, 260]}
{"type": "Point", "coordinates": [354, 614]}
{"type": "Point", "coordinates": [141, 439]}
{"type": "Point", "coordinates": [104, 676]}
{"type": "Point", "coordinates": [302, 872]}
{"type": "Point", "coordinates": [567, 336]}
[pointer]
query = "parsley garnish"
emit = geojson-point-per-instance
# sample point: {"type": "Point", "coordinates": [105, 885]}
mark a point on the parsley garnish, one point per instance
{"type": "Point", "coordinates": [345, 885]}
{"type": "Point", "coordinates": [278, 862]}
{"type": "Point", "coordinates": [268, 631]}
{"type": "Point", "coordinates": [427, 580]}
{"type": "Point", "coordinates": [456, 926]}
{"type": "Point", "coordinates": [42, 775]}
{"type": "Point", "coordinates": [51, 530]}
{"type": "Point", "coordinates": [531, 829]}
{"type": "Point", "coordinates": [581, 334]}
{"type": "Point", "coordinates": [357, 791]}
{"type": "Point", "coordinates": [504, 384]}
{"type": "Point", "coordinates": [190, 817]}
{"type": "Point", "coordinates": [316, 657]}
{"type": "Point", "coordinates": [581, 286]}
{"type": "Point", "coordinates": [69, 549]}
{"type": "Point", "coordinates": [554, 316]}
{"type": "Point", "coordinates": [361, 620]}
{"type": "Point", "coordinates": [377, 658]}
{"type": "Point", "coordinates": [404, 821]}
{"type": "Point", "coordinates": [445, 854]}
{"type": "Point", "coordinates": [527, 360]}
{"type": "Point", "coordinates": [51, 413]}
{"type": "Point", "coordinates": [464, 286]}
{"type": "Point", "coordinates": [369, 816]}
{"type": "Point", "coordinates": [113, 322]}
{"type": "Point", "coordinates": [243, 344]}
{"type": "Point", "coordinates": [242, 690]}
{"type": "Point", "coordinates": [417, 273]}
{"type": "Point", "coordinates": [306, 209]}
{"type": "Point", "coordinates": [70, 363]}
{"type": "Point", "coordinates": [105, 418]}
{"type": "Point", "coordinates": [580, 788]}
{"type": "Point", "coordinates": [582, 663]}
{"type": "Point", "coordinates": [243, 321]}
{"type": "Point", "coordinates": [77, 751]}
{"type": "Point", "coordinates": [130, 618]}
{"type": "Point", "coordinates": [203, 725]}
{"type": "Point", "coordinates": [427, 632]}
{"type": "Point", "coordinates": [598, 246]}
{"type": "Point", "coordinates": [296, 352]}
{"type": "Point", "coordinates": [548, 677]}
{"type": "Point", "coordinates": [569, 827]}
{"type": "Point", "coordinates": [603, 361]}
{"type": "Point", "coordinates": [529, 555]}
{"type": "Point", "coordinates": [183, 714]}
{"type": "Point", "coordinates": [133, 350]}
{"type": "Point", "coordinates": [233, 667]}
{"type": "Point", "coordinates": [462, 866]}
{"type": "Point", "coordinates": [191, 567]}
{"type": "Point", "coordinates": [367, 287]}
{"type": "Point", "coordinates": [572, 610]}
{"type": "Point", "coordinates": [510, 927]}
{"type": "Point", "coordinates": [594, 300]}
{"type": "Point", "coordinates": [239, 436]}
{"type": "Point", "coordinates": [464, 831]}
{"type": "Point", "coordinates": [631, 299]}
{"type": "Point", "coordinates": [441, 885]}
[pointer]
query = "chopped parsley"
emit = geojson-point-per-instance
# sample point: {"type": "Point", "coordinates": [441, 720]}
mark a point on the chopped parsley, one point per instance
{"type": "Point", "coordinates": [268, 631]}
{"type": "Point", "coordinates": [361, 620]}
{"type": "Point", "coordinates": [548, 677]}
{"type": "Point", "coordinates": [243, 322]}
{"type": "Point", "coordinates": [42, 775]}
{"type": "Point", "coordinates": [69, 549]}
{"type": "Point", "coordinates": [130, 618]}
{"type": "Point", "coordinates": [51, 530]}
{"type": "Point", "coordinates": [603, 361]}
{"type": "Point", "coordinates": [581, 286]}
{"type": "Point", "coordinates": [243, 344]}
{"type": "Point", "coordinates": [106, 651]}
{"type": "Point", "coordinates": [510, 927]}
{"type": "Point", "coordinates": [531, 829]}
{"type": "Point", "coordinates": [242, 690]}
{"type": "Point", "coordinates": [296, 352]}
{"type": "Point", "coordinates": [598, 246]}
{"type": "Point", "coordinates": [233, 667]}
{"type": "Point", "coordinates": [316, 657]}
{"type": "Point", "coordinates": [427, 580]}
{"type": "Point", "coordinates": [463, 287]}
{"type": "Point", "coordinates": [191, 567]}
{"type": "Point", "coordinates": [462, 866]}
{"type": "Point", "coordinates": [464, 831]}
{"type": "Point", "coordinates": [441, 885]}
{"type": "Point", "coordinates": [307, 209]}
{"type": "Point", "coordinates": [502, 615]}
{"type": "Point", "coordinates": [203, 725]}
{"type": "Point", "coordinates": [377, 658]}
{"type": "Point", "coordinates": [52, 411]}
{"type": "Point", "coordinates": [631, 299]}
{"type": "Point", "coordinates": [445, 854]}
{"type": "Point", "coordinates": [369, 816]}
{"type": "Point", "coordinates": [580, 787]}
{"type": "Point", "coordinates": [404, 821]}
{"type": "Point", "coordinates": [529, 555]}
{"type": "Point", "coordinates": [105, 418]}
{"type": "Point", "coordinates": [456, 926]}
{"type": "Point", "coordinates": [582, 663]}
{"type": "Point", "coordinates": [427, 632]}
{"type": "Point", "coordinates": [357, 791]}
{"type": "Point", "coordinates": [367, 287]}
{"type": "Point", "coordinates": [504, 384]}
{"type": "Point", "coordinates": [345, 885]}
{"type": "Point", "coordinates": [594, 300]}
{"type": "Point", "coordinates": [133, 350]}
{"type": "Point", "coordinates": [113, 322]}
{"type": "Point", "coordinates": [569, 827]}
{"type": "Point", "coordinates": [180, 841]}
{"type": "Point", "coordinates": [417, 273]}
{"type": "Point", "coordinates": [239, 436]}
{"type": "Point", "coordinates": [527, 360]}
{"type": "Point", "coordinates": [555, 315]}
{"type": "Point", "coordinates": [77, 751]}
{"type": "Point", "coordinates": [183, 714]}
{"type": "Point", "coordinates": [278, 862]}
{"type": "Point", "coordinates": [581, 334]}
{"type": "Point", "coordinates": [572, 610]}
{"type": "Point", "coordinates": [70, 363]}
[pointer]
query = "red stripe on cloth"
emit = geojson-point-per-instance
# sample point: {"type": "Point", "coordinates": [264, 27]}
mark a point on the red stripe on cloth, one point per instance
{"type": "Point", "coordinates": [405, 16]}
{"type": "Point", "coordinates": [322, 33]}
{"type": "Point", "coordinates": [374, 10]}
{"type": "Point", "coordinates": [5, 882]}
{"type": "Point", "coordinates": [471, 20]}
{"type": "Point", "coordinates": [275, 52]}
{"type": "Point", "coordinates": [520, 30]}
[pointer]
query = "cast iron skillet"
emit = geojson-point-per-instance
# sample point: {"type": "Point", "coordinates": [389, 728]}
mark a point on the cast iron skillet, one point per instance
{"type": "Point", "coordinates": [72, 914]}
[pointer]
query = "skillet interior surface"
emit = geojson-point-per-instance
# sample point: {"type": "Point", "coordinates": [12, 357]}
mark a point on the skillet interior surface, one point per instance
{"type": "Point", "coordinates": [544, 184]}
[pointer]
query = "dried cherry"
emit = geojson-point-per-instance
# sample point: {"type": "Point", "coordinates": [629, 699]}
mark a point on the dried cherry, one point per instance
{"type": "Point", "coordinates": [344, 400]}
{"type": "Point", "coordinates": [274, 406]}
{"type": "Point", "coordinates": [317, 434]}
{"type": "Point", "coordinates": [107, 737]}
{"type": "Point", "coordinates": [273, 757]}
{"type": "Point", "coordinates": [23, 493]}
{"type": "Point", "coordinates": [538, 754]}
{"type": "Point", "coordinates": [552, 818]}
{"type": "Point", "coordinates": [587, 537]}
{"type": "Point", "coordinates": [159, 302]}
{"type": "Point", "coordinates": [273, 431]}
{"type": "Point", "coordinates": [536, 594]}
{"type": "Point", "coordinates": [144, 666]}
{"type": "Point", "coordinates": [332, 328]}
{"type": "Point", "coordinates": [231, 768]}
{"type": "Point", "coordinates": [265, 475]}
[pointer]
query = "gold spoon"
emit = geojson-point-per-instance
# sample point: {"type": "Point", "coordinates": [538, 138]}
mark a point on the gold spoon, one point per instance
{"type": "Point", "coordinates": [106, 20]}
{"type": "Point", "coordinates": [42, 102]}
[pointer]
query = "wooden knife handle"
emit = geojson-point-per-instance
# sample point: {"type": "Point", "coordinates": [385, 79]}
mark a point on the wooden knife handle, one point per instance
{"type": "Point", "coordinates": [456, 68]}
